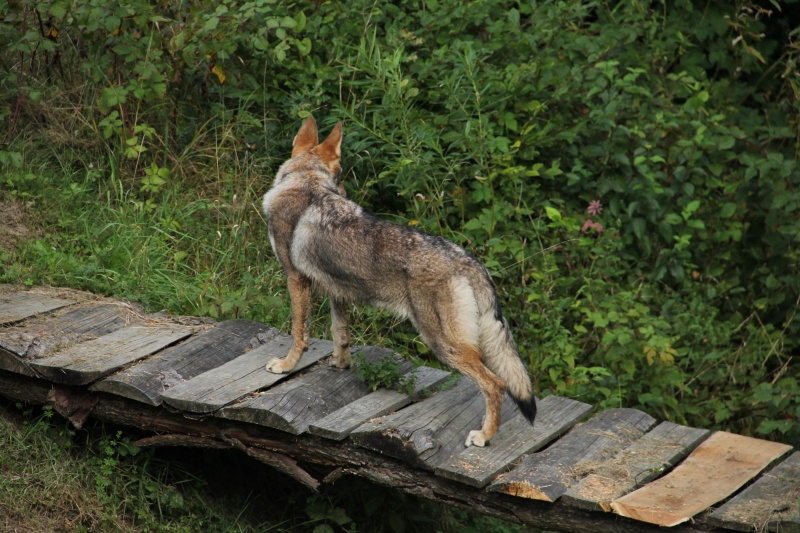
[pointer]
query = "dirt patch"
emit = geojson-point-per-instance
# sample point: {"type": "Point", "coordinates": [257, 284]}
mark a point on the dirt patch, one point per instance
{"type": "Point", "coordinates": [14, 225]}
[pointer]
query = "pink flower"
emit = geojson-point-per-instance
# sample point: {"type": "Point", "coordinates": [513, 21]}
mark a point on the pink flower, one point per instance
{"type": "Point", "coordinates": [590, 224]}
{"type": "Point", "coordinates": [595, 207]}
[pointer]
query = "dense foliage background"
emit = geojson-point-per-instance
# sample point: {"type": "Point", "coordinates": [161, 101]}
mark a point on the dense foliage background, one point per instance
{"type": "Point", "coordinates": [626, 169]}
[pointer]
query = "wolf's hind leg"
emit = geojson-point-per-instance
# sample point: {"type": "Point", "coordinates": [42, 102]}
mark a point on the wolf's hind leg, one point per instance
{"type": "Point", "coordinates": [467, 360]}
{"type": "Point", "coordinates": [300, 296]}
{"type": "Point", "coordinates": [340, 334]}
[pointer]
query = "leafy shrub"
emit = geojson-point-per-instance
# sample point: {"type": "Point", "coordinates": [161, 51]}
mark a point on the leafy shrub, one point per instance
{"type": "Point", "coordinates": [626, 170]}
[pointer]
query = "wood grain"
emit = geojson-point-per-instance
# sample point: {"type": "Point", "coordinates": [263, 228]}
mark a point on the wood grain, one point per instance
{"type": "Point", "coordinates": [147, 380]}
{"type": "Point", "coordinates": [641, 462]}
{"type": "Point", "coordinates": [714, 471]}
{"type": "Point", "coordinates": [771, 503]}
{"type": "Point", "coordinates": [46, 335]}
{"type": "Point", "coordinates": [88, 361]}
{"type": "Point", "coordinates": [216, 388]}
{"type": "Point", "coordinates": [427, 433]}
{"type": "Point", "coordinates": [547, 475]}
{"type": "Point", "coordinates": [478, 466]}
{"type": "Point", "coordinates": [340, 423]}
{"type": "Point", "coordinates": [18, 306]}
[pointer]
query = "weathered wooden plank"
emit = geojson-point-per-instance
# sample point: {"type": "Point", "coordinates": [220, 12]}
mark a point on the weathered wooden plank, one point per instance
{"type": "Point", "coordinates": [340, 423]}
{"type": "Point", "coordinates": [714, 471]}
{"type": "Point", "coordinates": [478, 466]}
{"type": "Point", "coordinates": [641, 462]}
{"type": "Point", "coordinates": [292, 405]}
{"type": "Point", "coordinates": [42, 337]}
{"type": "Point", "coordinates": [164, 425]}
{"type": "Point", "coordinates": [147, 380]}
{"type": "Point", "coordinates": [18, 306]}
{"type": "Point", "coordinates": [771, 503]}
{"type": "Point", "coordinates": [547, 475]}
{"type": "Point", "coordinates": [427, 433]}
{"type": "Point", "coordinates": [91, 360]}
{"type": "Point", "coordinates": [216, 388]}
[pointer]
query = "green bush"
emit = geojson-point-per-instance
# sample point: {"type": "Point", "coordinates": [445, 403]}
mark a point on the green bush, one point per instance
{"type": "Point", "coordinates": [625, 169]}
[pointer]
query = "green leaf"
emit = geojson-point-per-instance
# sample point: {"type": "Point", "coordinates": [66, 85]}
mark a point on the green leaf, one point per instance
{"type": "Point", "coordinates": [553, 213]}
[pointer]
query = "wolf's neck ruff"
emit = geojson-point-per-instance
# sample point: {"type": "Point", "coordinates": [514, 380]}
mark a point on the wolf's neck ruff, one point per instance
{"type": "Point", "coordinates": [324, 240]}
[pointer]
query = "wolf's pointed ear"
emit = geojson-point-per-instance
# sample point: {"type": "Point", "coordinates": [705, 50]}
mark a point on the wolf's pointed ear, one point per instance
{"type": "Point", "coordinates": [331, 149]}
{"type": "Point", "coordinates": [307, 138]}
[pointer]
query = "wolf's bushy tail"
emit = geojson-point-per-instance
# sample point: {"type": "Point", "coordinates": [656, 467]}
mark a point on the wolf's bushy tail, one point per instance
{"type": "Point", "coordinates": [500, 352]}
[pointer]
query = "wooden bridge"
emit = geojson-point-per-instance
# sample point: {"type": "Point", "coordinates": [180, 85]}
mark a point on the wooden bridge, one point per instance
{"type": "Point", "coordinates": [192, 382]}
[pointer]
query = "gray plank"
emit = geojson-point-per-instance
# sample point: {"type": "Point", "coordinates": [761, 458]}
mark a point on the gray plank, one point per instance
{"type": "Point", "coordinates": [147, 380]}
{"type": "Point", "coordinates": [340, 423]}
{"type": "Point", "coordinates": [216, 388]}
{"type": "Point", "coordinates": [549, 474]}
{"type": "Point", "coordinates": [91, 360]}
{"type": "Point", "coordinates": [478, 466]}
{"type": "Point", "coordinates": [771, 503]}
{"type": "Point", "coordinates": [18, 306]}
{"type": "Point", "coordinates": [427, 433]}
{"type": "Point", "coordinates": [641, 462]}
{"type": "Point", "coordinates": [44, 336]}
{"type": "Point", "coordinates": [293, 405]}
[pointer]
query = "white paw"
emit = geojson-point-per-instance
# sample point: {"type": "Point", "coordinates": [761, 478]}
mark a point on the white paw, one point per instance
{"type": "Point", "coordinates": [475, 438]}
{"type": "Point", "coordinates": [277, 366]}
{"type": "Point", "coordinates": [339, 362]}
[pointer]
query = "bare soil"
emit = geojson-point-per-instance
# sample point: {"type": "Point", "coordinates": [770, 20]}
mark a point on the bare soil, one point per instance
{"type": "Point", "coordinates": [14, 224]}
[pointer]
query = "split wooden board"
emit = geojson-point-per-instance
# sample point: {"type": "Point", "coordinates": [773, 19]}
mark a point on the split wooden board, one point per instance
{"type": "Point", "coordinates": [294, 405]}
{"type": "Point", "coordinates": [89, 361]}
{"type": "Point", "coordinates": [21, 305]}
{"type": "Point", "coordinates": [216, 388]}
{"type": "Point", "coordinates": [340, 423]}
{"type": "Point", "coordinates": [427, 433]}
{"type": "Point", "coordinates": [771, 503]}
{"type": "Point", "coordinates": [478, 466]}
{"type": "Point", "coordinates": [641, 462]}
{"type": "Point", "coordinates": [714, 471]}
{"type": "Point", "coordinates": [547, 475]}
{"type": "Point", "coordinates": [44, 336]}
{"type": "Point", "coordinates": [147, 380]}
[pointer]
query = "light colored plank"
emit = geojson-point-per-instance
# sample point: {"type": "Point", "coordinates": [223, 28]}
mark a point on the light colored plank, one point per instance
{"type": "Point", "coordinates": [478, 466]}
{"type": "Point", "coordinates": [771, 503]}
{"type": "Point", "coordinates": [85, 362]}
{"type": "Point", "coordinates": [641, 462]}
{"type": "Point", "coordinates": [213, 390]}
{"type": "Point", "coordinates": [714, 471]}
{"type": "Point", "coordinates": [18, 306]}
{"type": "Point", "coordinates": [547, 475]}
{"type": "Point", "coordinates": [145, 381]}
{"type": "Point", "coordinates": [340, 423]}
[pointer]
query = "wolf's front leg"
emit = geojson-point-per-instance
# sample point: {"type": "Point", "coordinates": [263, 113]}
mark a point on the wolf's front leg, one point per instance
{"type": "Point", "coordinates": [340, 334]}
{"type": "Point", "coordinates": [300, 296]}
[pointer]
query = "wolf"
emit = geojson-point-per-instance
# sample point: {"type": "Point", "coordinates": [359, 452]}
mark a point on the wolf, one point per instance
{"type": "Point", "coordinates": [330, 244]}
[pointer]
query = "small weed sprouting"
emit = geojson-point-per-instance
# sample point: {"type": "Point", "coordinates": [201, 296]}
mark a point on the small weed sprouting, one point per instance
{"type": "Point", "coordinates": [385, 372]}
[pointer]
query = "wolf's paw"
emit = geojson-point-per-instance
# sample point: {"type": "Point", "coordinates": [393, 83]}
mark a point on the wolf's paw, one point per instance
{"type": "Point", "coordinates": [475, 438]}
{"type": "Point", "coordinates": [277, 366]}
{"type": "Point", "coordinates": [339, 362]}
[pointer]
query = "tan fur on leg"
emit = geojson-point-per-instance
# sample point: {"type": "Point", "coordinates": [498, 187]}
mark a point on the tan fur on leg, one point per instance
{"type": "Point", "coordinates": [468, 362]}
{"type": "Point", "coordinates": [300, 296]}
{"type": "Point", "coordinates": [340, 334]}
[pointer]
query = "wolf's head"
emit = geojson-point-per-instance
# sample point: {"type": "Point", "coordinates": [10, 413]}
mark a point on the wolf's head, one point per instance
{"type": "Point", "coordinates": [306, 144]}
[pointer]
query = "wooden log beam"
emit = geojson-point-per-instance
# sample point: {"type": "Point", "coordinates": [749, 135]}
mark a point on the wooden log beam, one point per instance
{"type": "Point", "coordinates": [343, 457]}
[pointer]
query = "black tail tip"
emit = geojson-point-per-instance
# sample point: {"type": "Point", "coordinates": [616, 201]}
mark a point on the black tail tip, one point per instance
{"type": "Point", "coordinates": [527, 408]}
